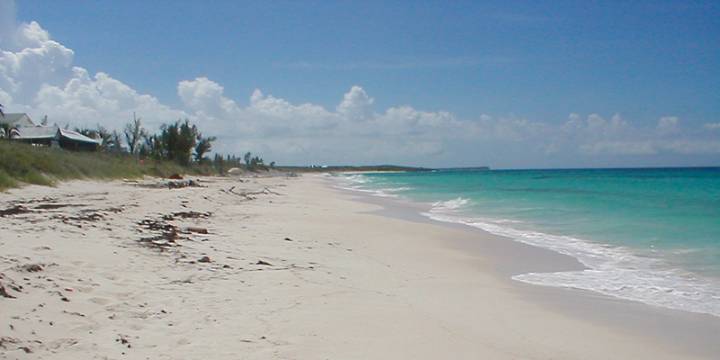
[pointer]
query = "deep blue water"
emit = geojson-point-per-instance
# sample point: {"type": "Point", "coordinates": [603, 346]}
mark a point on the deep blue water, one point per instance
{"type": "Point", "coordinates": [650, 235]}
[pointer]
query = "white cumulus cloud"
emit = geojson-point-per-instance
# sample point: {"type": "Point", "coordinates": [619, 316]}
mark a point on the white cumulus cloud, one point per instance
{"type": "Point", "coordinates": [356, 104]}
{"type": "Point", "coordinates": [712, 126]}
{"type": "Point", "coordinates": [37, 75]}
{"type": "Point", "coordinates": [668, 124]}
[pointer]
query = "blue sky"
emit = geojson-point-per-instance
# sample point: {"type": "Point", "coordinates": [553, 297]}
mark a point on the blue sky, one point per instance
{"type": "Point", "coordinates": [489, 65]}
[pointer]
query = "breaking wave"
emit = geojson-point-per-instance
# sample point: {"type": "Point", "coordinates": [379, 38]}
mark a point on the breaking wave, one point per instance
{"type": "Point", "coordinates": [610, 270]}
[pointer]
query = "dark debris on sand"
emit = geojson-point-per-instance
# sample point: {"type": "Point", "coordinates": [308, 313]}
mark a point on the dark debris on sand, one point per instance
{"type": "Point", "coordinates": [87, 216]}
{"type": "Point", "coordinates": [167, 237]}
{"type": "Point", "coordinates": [250, 195]}
{"type": "Point", "coordinates": [14, 210]}
{"type": "Point", "coordinates": [187, 215]}
{"type": "Point", "coordinates": [4, 293]}
{"type": "Point", "coordinates": [56, 206]}
{"type": "Point", "coordinates": [168, 234]}
{"type": "Point", "coordinates": [31, 267]}
{"type": "Point", "coordinates": [179, 184]}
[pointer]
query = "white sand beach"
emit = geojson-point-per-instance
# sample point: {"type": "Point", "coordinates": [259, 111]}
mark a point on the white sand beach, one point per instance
{"type": "Point", "coordinates": [290, 268]}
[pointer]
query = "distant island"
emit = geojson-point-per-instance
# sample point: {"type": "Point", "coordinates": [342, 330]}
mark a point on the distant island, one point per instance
{"type": "Point", "coordinates": [470, 168]}
{"type": "Point", "coordinates": [348, 168]}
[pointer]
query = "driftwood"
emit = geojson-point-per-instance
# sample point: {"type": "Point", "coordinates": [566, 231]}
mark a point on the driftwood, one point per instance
{"type": "Point", "coordinates": [170, 184]}
{"type": "Point", "coordinates": [179, 184]}
{"type": "Point", "coordinates": [56, 206]}
{"type": "Point", "coordinates": [197, 230]}
{"type": "Point", "coordinates": [14, 210]}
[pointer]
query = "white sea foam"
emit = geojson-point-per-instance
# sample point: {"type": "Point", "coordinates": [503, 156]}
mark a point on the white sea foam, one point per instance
{"type": "Point", "coordinates": [356, 178]}
{"type": "Point", "coordinates": [450, 205]}
{"type": "Point", "coordinates": [613, 271]}
{"type": "Point", "coordinates": [358, 182]}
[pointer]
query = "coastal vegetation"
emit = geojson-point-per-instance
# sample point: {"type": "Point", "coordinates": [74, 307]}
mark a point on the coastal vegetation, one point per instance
{"type": "Point", "coordinates": [24, 163]}
{"type": "Point", "coordinates": [178, 148]}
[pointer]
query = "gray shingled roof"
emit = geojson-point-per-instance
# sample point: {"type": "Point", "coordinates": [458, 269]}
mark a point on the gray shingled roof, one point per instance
{"type": "Point", "coordinates": [50, 132]}
{"type": "Point", "coordinates": [12, 118]}
{"type": "Point", "coordinates": [37, 132]}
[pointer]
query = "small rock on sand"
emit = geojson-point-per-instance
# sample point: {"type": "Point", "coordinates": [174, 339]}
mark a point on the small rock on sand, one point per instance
{"type": "Point", "coordinates": [31, 267]}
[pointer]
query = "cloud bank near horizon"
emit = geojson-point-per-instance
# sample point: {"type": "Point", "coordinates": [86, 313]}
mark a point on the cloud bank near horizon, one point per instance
{"type": "Point", "coordinates": [38, 75]}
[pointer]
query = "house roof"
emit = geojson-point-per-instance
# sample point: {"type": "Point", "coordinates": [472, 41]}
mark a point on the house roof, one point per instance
{"type": "Point", "coordinates": [73, 135]}
{"type": "Point", "coordinates": [16, 119]}
{"type": "Point", "coordinates": [36, 132]}
{"type": "Point", "coordinates": [51, 132]}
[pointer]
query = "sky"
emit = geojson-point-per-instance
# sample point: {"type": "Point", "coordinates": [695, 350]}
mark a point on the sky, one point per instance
{"type": "Point", "coordinates": [506, 84]}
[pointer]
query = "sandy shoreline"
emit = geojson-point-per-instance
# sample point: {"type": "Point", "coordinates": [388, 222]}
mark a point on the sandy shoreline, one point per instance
{"type": "Point", "coordinates": [693, 333]}
{"type": "Point", "coordinates": [291, 268]}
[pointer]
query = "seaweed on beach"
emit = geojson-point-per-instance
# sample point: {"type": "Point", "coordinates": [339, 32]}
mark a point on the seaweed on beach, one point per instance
{"type": "Point", "coordinates": [157, 225]}
{"type": "Point", "coordinates": [187, 215]}
{"type": "Point", "coordinates": [14, 210]}
{"type": "Point", "coordinates": [171, 184]}
{"type": "Point", "coordinates": [48, 204]}
{"type": "Point", "coordinates": [161, 242]}
{"type": "Point", "coordinates": [168, 234]}
{"type": "Point", "coordinates": [115, 210]}
{"type": "Point", "coordinates": [167, 237]}
{"type": "Point", "coordinates": [86, 216]}
{"type": "Point", "coordinates": [56, 206]}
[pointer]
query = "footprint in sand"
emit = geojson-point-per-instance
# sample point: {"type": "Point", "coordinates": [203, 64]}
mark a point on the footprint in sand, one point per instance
{"type": "Point", "coordinates": [100, 301]}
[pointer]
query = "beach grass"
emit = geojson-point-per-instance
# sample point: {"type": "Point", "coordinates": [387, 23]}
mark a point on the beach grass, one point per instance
{"type": "Point", "coordinates": [27, 164]}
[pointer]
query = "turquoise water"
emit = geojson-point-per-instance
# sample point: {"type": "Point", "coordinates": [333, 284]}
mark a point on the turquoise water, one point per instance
{"type": "Point", "coordinates": [650, 235]}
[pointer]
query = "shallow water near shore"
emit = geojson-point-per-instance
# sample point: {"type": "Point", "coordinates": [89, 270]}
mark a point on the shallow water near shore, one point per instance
{"type": "Point", "coordinates": [648, 235]}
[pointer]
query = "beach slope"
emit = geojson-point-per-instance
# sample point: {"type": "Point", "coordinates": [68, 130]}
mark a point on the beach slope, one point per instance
{"type": "Point", "coordinates": [264, 268]}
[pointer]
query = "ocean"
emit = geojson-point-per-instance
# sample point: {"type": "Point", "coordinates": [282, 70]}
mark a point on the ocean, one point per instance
{"type": "Point", "coordinates": [648, 235]}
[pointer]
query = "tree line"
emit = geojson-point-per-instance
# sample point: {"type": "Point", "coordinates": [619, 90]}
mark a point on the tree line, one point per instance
{"type": "Point", "coordinates": [180, 142]}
